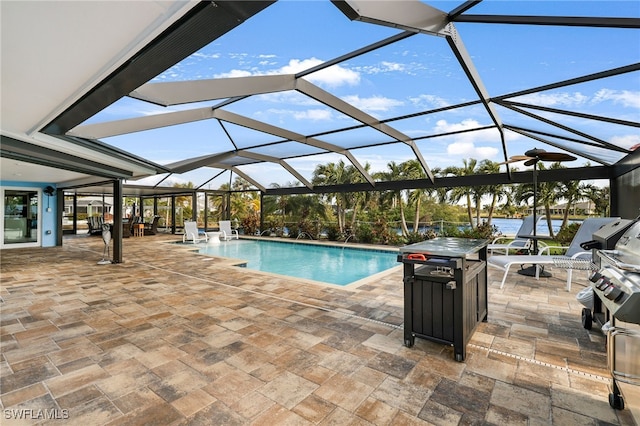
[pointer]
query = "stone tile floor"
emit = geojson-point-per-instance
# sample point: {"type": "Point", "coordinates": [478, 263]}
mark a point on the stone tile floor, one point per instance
{"type": "Point", "coordinates": [173, 338]}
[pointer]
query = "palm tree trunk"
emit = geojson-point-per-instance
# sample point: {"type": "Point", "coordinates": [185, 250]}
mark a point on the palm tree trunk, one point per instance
{"type": "Point", "coordinates": [565, 216]}
{"type": "Point", "coordinates": [353, 218]}
{"type": "Point", "coordinates": [547, 210]}
{"type": "Point", "coordinates": [403, 221]}
{"type": "Point", "coordinates": [494, 200]}
{"type": "Point", "coordinates": [469, 213]}
{"type": "Point", "coordinates": [416, 220]}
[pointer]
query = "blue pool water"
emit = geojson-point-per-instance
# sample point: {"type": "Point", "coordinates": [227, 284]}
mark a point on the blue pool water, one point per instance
{"type": "Point", "coordinates": [333, 265]}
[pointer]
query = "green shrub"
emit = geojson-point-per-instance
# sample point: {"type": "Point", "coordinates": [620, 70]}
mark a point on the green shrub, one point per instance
{"type": "Point", "coordinates": [416, 237]}
{"type": "Point", "coordinates": [364, 233]}
{"type": "Point", "coordinates": [333, 232]}
{"type": "Point", "coordinates": [250, 224]}
{"type": "Point", "coordinates": [482, 231]}
{"type": "Point", "coordinates": [566, 233]}
{"type": "Point", "coordinates": [381, 232]}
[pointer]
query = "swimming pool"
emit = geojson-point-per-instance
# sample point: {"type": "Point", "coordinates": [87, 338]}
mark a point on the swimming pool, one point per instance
{"type": "Point", "coordinates": [328, 264]}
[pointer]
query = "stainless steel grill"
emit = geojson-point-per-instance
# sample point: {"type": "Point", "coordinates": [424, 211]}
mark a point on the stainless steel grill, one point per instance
{"type": "Point", "coordinates": [616, 283]}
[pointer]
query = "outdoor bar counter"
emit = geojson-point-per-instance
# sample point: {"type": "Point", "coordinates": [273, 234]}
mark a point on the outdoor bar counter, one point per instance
{"type": "Point", "coordinates": [445, 290]}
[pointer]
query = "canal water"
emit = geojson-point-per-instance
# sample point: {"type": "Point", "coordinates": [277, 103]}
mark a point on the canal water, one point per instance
{"type": "Point", "coordinates": [511, 226]}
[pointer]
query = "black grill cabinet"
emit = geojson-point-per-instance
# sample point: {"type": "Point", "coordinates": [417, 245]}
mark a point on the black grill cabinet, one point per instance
{"type": "Point", "coordinates": [445, 290]}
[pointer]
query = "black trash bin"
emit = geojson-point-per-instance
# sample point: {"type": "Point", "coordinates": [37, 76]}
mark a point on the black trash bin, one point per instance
{"type": "Point", "coordinates": [445, 290]}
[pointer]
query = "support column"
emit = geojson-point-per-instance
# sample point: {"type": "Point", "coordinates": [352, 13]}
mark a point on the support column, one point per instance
{"type": "Point", "coordinates": [117, 221]}
{"type": "Point", "coordinates": [194, 206]}
{"type": "Point", "coordinates": [206, 212]}
{"type": "Point", "coordinates": [261, 212]}
{"type": "Point", "coordinates": [173, 214]}
{"type": "Point", "coordinates": [59, 216]}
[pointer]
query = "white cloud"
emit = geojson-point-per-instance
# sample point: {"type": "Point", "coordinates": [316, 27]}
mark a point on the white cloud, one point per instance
{"type": "Point", "coordinates": [626, 141]}
{"type": "Point", "coordinates": [201, 55]}
{"type": "Point", "coordinates": [464, 144]}
{"type": "Point", "coordinates": [442, 126]}
{"type": "Point", "coordinates": [313, 114]}
{"type": "Point", "coordinates": [429, 101]}
{"type": "Point", "coordinates": [373, 103]}
{"type": "Point", "coordinates": [309, 114]}
{"type": "Point", "coordinates": [626, 98]}
{"type": "Point", "coordinates": [333, 76]}
{"type": "Point", "coordinates": [554, 99]}
{"type": "Point", "coordinates": [384, 67]}
{"type": "Point", "coordinates": [468, 149]}
{"type": "Point", "coordinates": [234, 74]}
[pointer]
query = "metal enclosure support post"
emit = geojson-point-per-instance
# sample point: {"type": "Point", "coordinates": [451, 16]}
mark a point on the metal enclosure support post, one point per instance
{"type": "Point", "coordinates": [206, 212]}
{"type": "Point", "coordinates": [173, 214]}
{"type": "Point", "coordinates": [194, 206]}
{"type": "Point", "coordinates": [261, 212]}
{"type": "Point", "coordinates": [117, 221]}
{"type": "Point", "coordinates": [60, 216]}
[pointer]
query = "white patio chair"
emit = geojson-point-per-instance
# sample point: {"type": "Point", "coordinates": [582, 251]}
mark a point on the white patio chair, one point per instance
{"type": "Point", "coordinates": [526, 228]}
{"type": "Point", "coordinates": [574, 252]}
{"type": "Point", "coordinates": [227, 232]}
{"type": "Point", "coordinates": [192, 233]}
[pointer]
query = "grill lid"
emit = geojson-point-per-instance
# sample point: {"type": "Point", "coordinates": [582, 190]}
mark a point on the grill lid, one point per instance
{"type": "Point", "coordinates": [627, 248]}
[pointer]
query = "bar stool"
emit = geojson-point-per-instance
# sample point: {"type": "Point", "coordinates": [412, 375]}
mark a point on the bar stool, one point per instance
{"type": "Point", "coordinates": [138, 230]}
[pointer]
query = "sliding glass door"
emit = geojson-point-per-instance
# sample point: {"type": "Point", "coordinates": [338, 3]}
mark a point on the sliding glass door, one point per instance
{"type": "Point", "coordinates": [20, 221]}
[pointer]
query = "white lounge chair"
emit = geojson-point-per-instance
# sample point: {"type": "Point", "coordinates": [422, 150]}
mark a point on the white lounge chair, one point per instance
{"type": "Point", "coordinates": [192, 233]}
{"type": "Point", "coordinates": [526, 228]}
{"type": "Point", "coordinates": [227, 232]}
{"type": "Point", "coordinates": [573, 252]}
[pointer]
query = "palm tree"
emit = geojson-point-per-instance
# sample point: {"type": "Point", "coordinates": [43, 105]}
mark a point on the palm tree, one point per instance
{"type": "Point", "coordinates": [412, 169]}
{"type": "Point", "coordinates": [599, 197]}
{"type": "Point", "coordinates": [548, 194]}
{"type": "Point", "coordinates": [571, 191]}
{"type": "Point", "coordinates": [278, 205]}
{"type": "Point", "coordinates": [395, 173]}
{"type": "Point", "coordinates": [354, 200]}
{"type": "Point", "coordinates": [337, 174]}
{"type": "Point", "coordinates": [456, 194]}
{"type": "Point", "coordinates": [497, 192]}
{"type": "Point", "coordinates": [510, 207]}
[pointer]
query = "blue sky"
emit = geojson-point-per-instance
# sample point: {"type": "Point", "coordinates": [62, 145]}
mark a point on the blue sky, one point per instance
{"type": "Point", "coordinates": [416, 74]}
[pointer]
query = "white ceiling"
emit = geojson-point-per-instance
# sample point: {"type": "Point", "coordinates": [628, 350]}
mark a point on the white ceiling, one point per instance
{"type": "Point", "coordinates": [53, 52]}
{"type": "Point", "coordinates": [15, 170]}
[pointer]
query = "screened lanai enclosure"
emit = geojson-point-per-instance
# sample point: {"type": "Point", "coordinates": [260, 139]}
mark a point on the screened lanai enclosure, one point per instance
{"type": "Point", "coordinates": [185, 99]}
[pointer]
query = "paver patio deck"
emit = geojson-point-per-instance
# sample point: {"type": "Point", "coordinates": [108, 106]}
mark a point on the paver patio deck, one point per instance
{"type": "Point", "coordinates": [173, 338]}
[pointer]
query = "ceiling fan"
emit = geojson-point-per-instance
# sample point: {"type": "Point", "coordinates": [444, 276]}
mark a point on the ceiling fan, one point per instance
{"type": "Point", "coordinates": [531, 158]}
